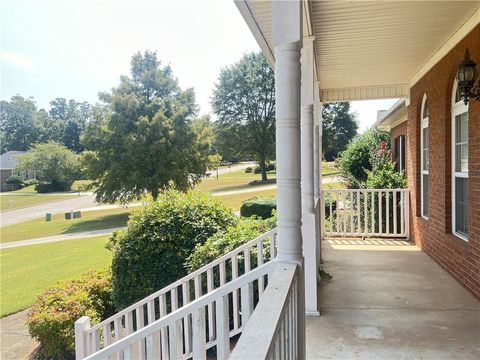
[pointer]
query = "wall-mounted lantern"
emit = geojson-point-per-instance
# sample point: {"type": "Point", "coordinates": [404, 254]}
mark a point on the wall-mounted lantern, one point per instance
{"type": "Point", "coordinates": [466, 76]}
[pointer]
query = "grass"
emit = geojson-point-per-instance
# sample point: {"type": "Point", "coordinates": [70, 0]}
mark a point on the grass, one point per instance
{"type": "Point", "coordinates": [329, 168]}
{"type": "Point", "coordinates": [90, 220]}
{"type": "Point", "coordinates": [25, 199]}
{"type": "Point", "coordinates": [235, 201]}
{"type": "Point", "coordinates": [235, 180]}
{"type": "Point", "coordinates": [27, 271]}
{"type": "Point", "coordinates": [333, 185]}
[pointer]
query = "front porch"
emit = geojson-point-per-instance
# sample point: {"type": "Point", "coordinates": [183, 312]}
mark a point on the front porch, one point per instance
{"type": "Point", "coordinates": [389, 300]}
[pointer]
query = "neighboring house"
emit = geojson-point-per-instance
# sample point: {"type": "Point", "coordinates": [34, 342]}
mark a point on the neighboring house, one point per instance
{"type": "Point", "coordinates": [8, 162]}
{"type": "Point", "coordinates": [330, 51]}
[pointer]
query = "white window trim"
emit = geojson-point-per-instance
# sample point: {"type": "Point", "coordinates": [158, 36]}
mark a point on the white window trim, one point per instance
{"type": "Point", "coordinates": [458, 108]}
{"type": "Point", "coordinates": [424, 125]}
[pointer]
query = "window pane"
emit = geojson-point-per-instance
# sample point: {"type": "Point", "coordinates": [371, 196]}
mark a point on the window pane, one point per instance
{"type": "Point", "coordinates": [425, 149]}
{"type": "Point", "coordinates": [425, 110]}
{"type": "Point", "coordinates": [458, 96]}
{"type": "Point", "coordinates": [461, 143]}
{"type": "Point", "coordinates": [461, 208]}
{"type": "Point", "coordinates": [425, 195]}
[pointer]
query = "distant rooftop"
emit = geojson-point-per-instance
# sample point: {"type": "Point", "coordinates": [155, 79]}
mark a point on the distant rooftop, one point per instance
{"type": "Point", "coordinates": [8, 161]}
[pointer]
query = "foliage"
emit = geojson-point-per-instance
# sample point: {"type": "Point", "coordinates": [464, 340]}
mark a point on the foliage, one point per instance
{"type": "Point", "coordinates": [151, 252]}
{"type": "Point", "coordinates": [56, 166]}
{"type": "Point", "coordinates": [339, 126]}
{"type": "Point", "coordinates": [30, 182]}
{"type": "Point", "coordinates": [383, 174]}
{"type": "Point", "coordinates": [15, 180]}
{"type": "Point", "coordinates": [248, 170]}
{"type": "Point", "coordinates": [214, 161]}
{"type": "Point", "coordinates": [261, 207]}
{"type": "Point", "coordinates": [22, 125]}
{"type": "Point", "coordinates": [146, 139]}
{"type": "Point", "coordinates": [357, 159]}
{"type": "Point", "coordinates": [17, 124]}
{"type": "Point", "coordinates": [224, 241]}
{"type": "Point", "coordinates": [51, 319]}
{"type": "Point", "coordinates": [244, 102]}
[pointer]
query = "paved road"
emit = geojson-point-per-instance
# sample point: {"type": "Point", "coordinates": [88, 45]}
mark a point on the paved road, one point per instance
{"type": "Point", "coordinates": [37, 211]}
{"type": "Point", "coordinates": [16, 341]}
{"type": "Point", "coordinates": [236, 167]}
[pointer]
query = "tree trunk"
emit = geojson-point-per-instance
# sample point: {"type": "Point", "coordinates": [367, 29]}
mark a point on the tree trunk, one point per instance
{"type": "Point", "coordinates": [263, 167]}
{"type": "Point", "coordinates": [155, 194]}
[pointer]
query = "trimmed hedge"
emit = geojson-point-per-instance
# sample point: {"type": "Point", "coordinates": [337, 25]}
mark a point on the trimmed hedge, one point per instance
{"type": "Point", "coordinates": [150, 254]}
{"type": "Point", "coordinates": [51, 319]}
{"type": "Point", "coordinates": [261, 207]}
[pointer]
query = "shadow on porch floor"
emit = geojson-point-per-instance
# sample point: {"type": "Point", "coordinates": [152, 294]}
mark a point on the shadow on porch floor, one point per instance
{"type": "Point", "coordinates": [389, 300]}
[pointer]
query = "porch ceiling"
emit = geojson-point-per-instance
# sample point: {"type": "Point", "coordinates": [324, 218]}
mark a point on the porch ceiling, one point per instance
{"type": "Point", "coordinates": [371, 49]}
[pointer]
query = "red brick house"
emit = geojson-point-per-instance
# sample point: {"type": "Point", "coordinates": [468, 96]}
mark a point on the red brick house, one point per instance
{"type": "Point", "coordinates": [441, 138]}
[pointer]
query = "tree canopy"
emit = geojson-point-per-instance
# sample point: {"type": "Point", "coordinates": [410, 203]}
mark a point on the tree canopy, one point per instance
{"type": "Point", "coordinates": [56, 166]}
{"type": "Point", "coordinates": [339, 126]}
{"type": "Point", "coordinates": [23, 125]}
{"type": "Point", "coordinates": [244, 102]}
{"type": "Point", "coordinates": [146, 139]}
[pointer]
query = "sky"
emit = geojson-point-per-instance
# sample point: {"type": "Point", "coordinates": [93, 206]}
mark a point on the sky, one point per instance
{"type": "Point", "coordinates": [78, 48]}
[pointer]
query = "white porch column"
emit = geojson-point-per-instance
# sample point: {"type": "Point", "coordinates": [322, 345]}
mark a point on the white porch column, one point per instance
{"type": "Point", "coordinates": [286, 34]}
{"type": "Point", "coordinates": [309, 227]}
{"type": "Point", "coordinates": [317, 148]}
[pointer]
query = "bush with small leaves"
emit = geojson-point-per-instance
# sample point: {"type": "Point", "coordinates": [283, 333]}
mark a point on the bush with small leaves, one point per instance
{"type": "Point", "coordinates": [51, 319]}
{"type": "Point", "coordinates": [152, 251]}
{"type": "Point", "coordinates": [261, 207]}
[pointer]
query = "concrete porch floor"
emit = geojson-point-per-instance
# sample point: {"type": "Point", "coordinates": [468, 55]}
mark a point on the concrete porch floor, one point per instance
{"type": "Point", "coordinates": [389, 300]}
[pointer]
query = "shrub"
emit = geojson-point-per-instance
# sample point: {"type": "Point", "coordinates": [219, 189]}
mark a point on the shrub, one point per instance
{"type": "Point", "coordinates": [256, 170]}
{"type": "Point", "coordinates": [357, 159]}
{"type": "Point", "coordinates": [16, 181]}
{"type": "Point", "coordinates": [152, 251]}
{"type": "Point", "coordinates": [249, 170]}
{"type": "Point", "coordinates": [227, 240]}
{"type": "Point", "coordinates": [30, 182]}
{"type": "Point", "coordinates": [51, 186]}
{"type": "Point", "coordinates": [51, 319]}
{"type": "Point", "coordinates": [261, 207]}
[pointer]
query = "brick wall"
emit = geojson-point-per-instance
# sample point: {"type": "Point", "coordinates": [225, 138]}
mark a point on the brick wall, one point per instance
{"type": "Point", "coordinates": [460, 258]}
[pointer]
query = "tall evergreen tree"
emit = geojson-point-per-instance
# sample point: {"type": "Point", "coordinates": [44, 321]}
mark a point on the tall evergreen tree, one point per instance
{"type": "Point", "coordinates": [146, 139]}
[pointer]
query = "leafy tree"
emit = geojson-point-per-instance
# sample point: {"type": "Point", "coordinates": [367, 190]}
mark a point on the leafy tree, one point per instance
{"type": "Point", "coordinates": [56, 166]}
{"type": "Point", "coordinates": [358, 158]}
{"type": "Point", "coordinates": [244, 102]}
{"type": "Point", "coordinates": [18, 125]}
{"type": "Point", "coordinates": [73, 116]}
{"type": "Point", "coordinates": [146, 139]}
{"type": "Point", "coordinates": [339, 126]}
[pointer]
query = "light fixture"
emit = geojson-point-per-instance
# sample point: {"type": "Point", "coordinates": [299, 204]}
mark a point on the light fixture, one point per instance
{"type": "Point", "coordinates": [466, 76]}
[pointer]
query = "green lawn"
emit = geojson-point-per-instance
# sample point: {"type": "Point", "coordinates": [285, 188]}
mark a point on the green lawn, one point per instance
{"type": "Point", "coordinates": [90, 220]}
{"type": "Point", "coordinates": [27, 271]}
{"type": "Point", "coordinates": [333, 185]}
{"type": "Point", "coordinates": [235, 201]}
{"type": "Point", "coordinates": [329, 168]}
{"type": "Point", "coordinates": [230, 181]}
{"type": "Point", "coordinates": [25, 199]}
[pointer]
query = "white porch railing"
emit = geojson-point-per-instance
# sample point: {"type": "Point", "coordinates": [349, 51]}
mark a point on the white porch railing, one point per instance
{"type": "Point", "coordinates": [273, 329]}
{"type": "Point", "coordinates": [365, 212]}
{"type": "Point", "coordinates": [166, 338]}
{"type": "Point", "coordinates": [90, 340]}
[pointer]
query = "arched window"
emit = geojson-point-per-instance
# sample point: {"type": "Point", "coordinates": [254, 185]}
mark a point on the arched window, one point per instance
{"type": "Point", "coordinates": [459, 165]}
{"type": "Point", "coordinates": [424, 158]}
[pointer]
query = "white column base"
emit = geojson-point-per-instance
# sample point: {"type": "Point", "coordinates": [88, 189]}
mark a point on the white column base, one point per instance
{"type": "Point", "coordinates": [310, 251]}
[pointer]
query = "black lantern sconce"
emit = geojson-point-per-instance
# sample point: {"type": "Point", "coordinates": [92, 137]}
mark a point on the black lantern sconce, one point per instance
{"type": "Point", "coordinates": [466, 76]}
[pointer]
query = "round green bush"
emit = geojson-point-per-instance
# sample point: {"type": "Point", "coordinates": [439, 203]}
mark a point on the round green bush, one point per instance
{"type": "Point", "coordinates": [261, 207]}
{"type": "Point", "coordinates": [51, 319]}
{"type": "Point", "coordinates": [227, 240]}
{"type": "Point", "coordinates": [152, 251]}
{"type": "Point", "coordinates": [249, 170]}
